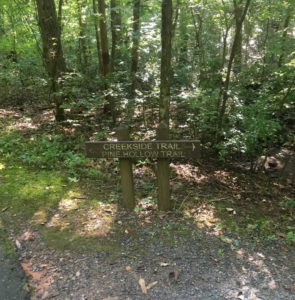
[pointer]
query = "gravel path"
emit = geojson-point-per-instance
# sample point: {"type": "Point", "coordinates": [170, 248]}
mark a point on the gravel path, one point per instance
{"type": "Point", "coordinates": [186, 264]}
{"type": "Point", "coordinates": [11, 279]}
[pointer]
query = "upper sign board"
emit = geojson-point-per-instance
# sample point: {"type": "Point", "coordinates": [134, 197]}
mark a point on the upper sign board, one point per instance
{"type": "Point", "coordinates": [152, 149]}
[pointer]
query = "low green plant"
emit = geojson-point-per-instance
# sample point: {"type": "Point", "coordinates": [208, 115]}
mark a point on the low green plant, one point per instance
{"type": "Point", "coordinates": [220, 252]}
{"type": "Point", "coordinates": [272, 237]}
{"type": "Point", "coordinates": [289, 203]}
{"type": "Point", "coordinates": [291, 234]}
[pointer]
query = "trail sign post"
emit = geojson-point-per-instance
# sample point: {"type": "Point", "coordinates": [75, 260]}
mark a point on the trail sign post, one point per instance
{"type": "Point", "coordinates": [162, 149]}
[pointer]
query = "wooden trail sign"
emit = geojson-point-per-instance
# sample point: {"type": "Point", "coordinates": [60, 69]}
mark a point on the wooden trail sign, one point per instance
{"type": "Point", "coordinates": [152, 149]}
{"type": "Point", "coordinates": [162, 149]}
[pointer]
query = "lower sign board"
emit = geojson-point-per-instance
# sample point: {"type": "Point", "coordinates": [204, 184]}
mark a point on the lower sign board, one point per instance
{"type": "Point", "coordinates": [152, 149]}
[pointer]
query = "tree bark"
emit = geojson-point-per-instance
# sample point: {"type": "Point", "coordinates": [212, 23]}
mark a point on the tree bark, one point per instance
{"type": "Point", "coordinates": [116, 32]}
{"type": "Point", "coordinates": [238, 16]}
{"type": "Point", "coordinates": [283, 45]}
{"type": "Point", "coordinates": [166, 35]}
{"type": "Point", "coordinates": [82, 35]}
{"type": "Point", "coordinates": [175, 18]}
{"type": "Point", "coordinates": [97, 39]}
{"type": "Point", "coordinates": [135, 45]}
{"type": "Point", "coordinates": [110, 107]}
{"type": "Point", "coordinates": [229, 68]}
{"type": "Point", "coordinates": [53, 58]}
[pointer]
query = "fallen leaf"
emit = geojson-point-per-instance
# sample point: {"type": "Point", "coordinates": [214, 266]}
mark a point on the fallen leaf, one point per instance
{"type": "Point", "coordinates": [164, 264]}
{"type": "Point", "coordinates": [120, 222]}
{"type": "Point", "coordinates": [215, 259]}
{"type": "Point", "coordinates": [176, 274]}
{"type": "Point", "coordinates": [5, 208]}
{"type": "Point", "coordinates": [151, 285]}
{"type": "Point", "coordinates": [45, 295]}
{"type": "Point", "coordinates": [293, 287]}
{"type": "Point", "coordinates": [128, 268]}
{"type": "Point", "coordinates": [18, 244]}
{"type": "Point", "coordinates": [240, 296]}
{"type": "Point", "coordinates": [142, 285]}
{"type": "Point", "coordinates": [230, 209]}
{"type": "Point", "coordinates": [280, 234]}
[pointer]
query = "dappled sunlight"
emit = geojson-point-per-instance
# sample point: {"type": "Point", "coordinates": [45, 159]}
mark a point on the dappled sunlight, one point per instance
{"type": "Point", "coordinates": [189, 173]}
{"type": "Point", "coordinates": [82, 218]}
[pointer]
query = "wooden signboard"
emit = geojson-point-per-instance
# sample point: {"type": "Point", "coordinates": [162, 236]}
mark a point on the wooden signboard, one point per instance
{"type": "Point", "coordinates": [162, 149]}
{"type": "Point", "coordinates": [153, 149]}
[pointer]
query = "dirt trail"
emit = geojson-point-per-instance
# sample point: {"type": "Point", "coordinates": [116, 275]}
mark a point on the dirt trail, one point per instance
{"type": "Point", "coordinates": [186, 262]}
{"type": "Point", "coordinates": [11, 279]}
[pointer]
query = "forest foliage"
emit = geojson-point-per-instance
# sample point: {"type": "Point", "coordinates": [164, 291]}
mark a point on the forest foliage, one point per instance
{"type": "Point", "coordinates": [230, 84]}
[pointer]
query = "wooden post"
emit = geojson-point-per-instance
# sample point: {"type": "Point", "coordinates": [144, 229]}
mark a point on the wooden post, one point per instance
{"type": "Point", "coordinates": [126, 171]}
{"type": "Point", "coordinates": [163, 172]}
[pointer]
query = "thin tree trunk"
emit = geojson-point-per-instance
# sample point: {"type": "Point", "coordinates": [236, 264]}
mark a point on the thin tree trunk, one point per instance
{"type": "Point", "coordinates": [97, 39]}
{"type": "Point", "coordinates": [224, 52]}
{"type": "Point", "coordinates": [229, 68]}
{"type": "Point", "coordinates": [53, 58]}
{"type": "Point", "coordinates": [166, 35]}
{"type": "Point", "coordinates": [175, 18]}
{"type": "Point", "coordinates": [135, 45]}
{"type": "Point", "coordinates": [82, 35]}
{"type": "Point", "coordinates": [238, 16]}
{"type": "Point", "coordinates": [110, 107]}
{"type": "Point", "coordinates": [14, 51]}
{"type": "Point", "coordinates": [116, 30]}
{"type": "Point", "coordinates": [283, 45]}
{"type": "Point", "coordinates": [264, 50]}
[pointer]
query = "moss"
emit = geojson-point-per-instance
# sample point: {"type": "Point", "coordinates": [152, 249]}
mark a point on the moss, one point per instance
{"type": "Point", "coordinates": [67, 240]}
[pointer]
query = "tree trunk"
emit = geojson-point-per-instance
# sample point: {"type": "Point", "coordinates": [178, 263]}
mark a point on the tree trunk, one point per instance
{"type": "Point", "coordinates": [238, 55]}
{"type": "Point", "coordinates": [175, 18]}
{"type": "Point", "coordinates": [53, 58]}
{"type": "Point", "coordinates": [135, 45]}
{"type": "Point", "coordinates": [82, 35]}
{"type": "Point", "coordinates": [166, 35]}
{"type": "Point", "coordinates": [110, 107]}
{"type": "Point", "coordinates": [264, 50]}
{"type": "Point", "coordinates": [283, 45]}
{"type": "Point", "coordinates": [116, 31]}
{"type": "Point", "coordinates": [97, 39]}
{"type": "Point", "coordinates": [229, 68]}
